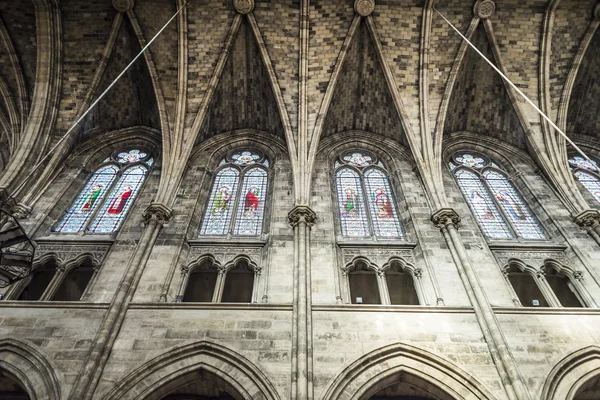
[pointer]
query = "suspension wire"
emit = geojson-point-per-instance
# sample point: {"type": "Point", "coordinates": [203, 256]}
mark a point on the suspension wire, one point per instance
{"type": "Point", "coordinates": [531, 103]}
{"type": "Point", "coordinates": [49, 152]}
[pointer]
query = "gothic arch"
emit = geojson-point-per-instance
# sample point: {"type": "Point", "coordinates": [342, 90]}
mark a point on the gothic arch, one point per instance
{"type": "Point", "coordinates": [378, 368]}
{"type": "Point", "coordinates": [571, 373]}
{"type": "Point", "coordinates": [31, 368]}
{"type": "Point", "coordinates": [209, 152]}
{"type": "Point", "coordinates": [227, 365]}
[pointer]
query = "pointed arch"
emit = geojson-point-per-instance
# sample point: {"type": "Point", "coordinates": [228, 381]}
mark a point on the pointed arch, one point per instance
{"type": "Point", "coordinates": [382, 366]}
{"type": "Point", "coordinates": [571, 373]}
{"type": "Point", "coordinates": [147, 381]}
{"type": "Point", "coordinates": [31, 368]}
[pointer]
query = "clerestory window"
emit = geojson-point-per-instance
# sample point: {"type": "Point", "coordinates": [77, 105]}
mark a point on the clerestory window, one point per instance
{"type": "Point", "coordinates": [497, 206]}
{"type": "Point", "coordinates": [102, 205]}
{"type": "Point", "coordinates": [366, 203]}
{"type": "Point", "coordinates": [237, 200]}
{"type": "Point", "coordinates": [587, 173]}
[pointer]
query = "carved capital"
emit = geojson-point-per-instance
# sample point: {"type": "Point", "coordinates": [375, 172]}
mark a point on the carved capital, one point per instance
{"type": "Point", "coordinates": [484, 9]}
{"type": "Point", "coordinates": [578, 275]}
{"type": "Point", "coordinates": [243, 6]}
{"type": "Point", "coordinates": [588, 219]}
{"type": "Point", "coordinates": [418, 273]}
{"type": "Point", "coordinates": [444, 217]}
{"type": "Point", "coordinates": [302, 214]}
{"type": "Point", "coordinates": [541, 274]}
{"type": "Point", "coordinates": [364, 7]}
{"type": "Point", "coordinates": [123, 5]}
{"type": "Point", "coordinates": [185, 269]}
{"type": "Point", "coordinates": [158, 212]}
{"type": "Point", "coordinates": [21, 211]}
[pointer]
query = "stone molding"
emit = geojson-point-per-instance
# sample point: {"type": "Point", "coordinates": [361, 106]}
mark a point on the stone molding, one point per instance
{"type": "Point", "coordinates": [243, 6]}
{"type": "Point", "coordinates": [532, 258]}
{"type": "Point", "coordinates": [444, 217]}
{"type": "Point", "coordinates": [364, 8]}
{"type": "Point", "coordinates": [377, 259]}
{"type": "Point", "coordinates": [588, 219]}
{"type": "Point", "coordinates": [71, 253]}
{"type": "Point", "coordinates": [123, 6]}
{"type": "Point", "coordinates": [302, 214]}
{"type": "Point", "coordinates": [484, 9]}
{"type": "Point", "coordinates": [225, 257]}
{"type": "Point", "coordinates": [157, 212]}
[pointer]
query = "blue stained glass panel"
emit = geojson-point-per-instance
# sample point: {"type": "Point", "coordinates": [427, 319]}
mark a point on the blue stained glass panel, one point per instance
{"type": "Point", "coordinates": [217, 217]}
{"type": "Point", "coordinates": [382, 204]}
{"type": "Point", "coordinates": [513, 206]}
{"type": "Point", "coordinates": [482, 206]}
{"type": "Point", "coordinates": [358, 159]}
{"type": "Point", "coordinates": [251, 206]}
{"type": "Point", "coordinates": [582, 163]}
{"type": "Point", "coordinates": [131, 156]}
{"type": "Point", "coordinates": [353, 215]}
{"type": "Point", "coordinates": [88, 200]}
{"type": "Point", "coordinates": [115, 208]}
{"type": "Point", "coordinates": [590, 182]}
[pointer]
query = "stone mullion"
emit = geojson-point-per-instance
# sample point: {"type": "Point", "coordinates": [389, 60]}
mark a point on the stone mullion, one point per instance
{"type": "Point", "coordinates": [85, 385]}
{"type": "Point", "coordinates": [88, 288]}
{"type": "Point", "coordinates": [219, 285]}
{"type": "Point", "coordinates": [446, 220]}
{"type": "Point", "coordinates": [417, 277]}
{"type": "Point", "coordinates": [515, 297]}
{"type": "Point", "coordinates": [384, 294]}
{"type": "Point", "coordinates": [302, 218]}
{"type": "Point", "coordinates": [59, 276]}
{"type": "Point", "coordinates": [547, 292]}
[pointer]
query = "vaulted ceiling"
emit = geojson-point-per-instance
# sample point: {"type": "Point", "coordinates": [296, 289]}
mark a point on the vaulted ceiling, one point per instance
{"type": "Point", "coordinates": [208, 76]}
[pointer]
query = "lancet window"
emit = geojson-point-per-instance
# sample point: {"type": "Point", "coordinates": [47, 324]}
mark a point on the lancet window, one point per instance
{"type": "Point", "coordinates": [366, 203]}
{"type": "Point", "coordinates": [102, 205]}
{"type": "Point", "coordinates": [497, 206]}
{"type": "Point", "coordinates": [237, 200]}
{"type": "Point", "coordinates": [587, 173]}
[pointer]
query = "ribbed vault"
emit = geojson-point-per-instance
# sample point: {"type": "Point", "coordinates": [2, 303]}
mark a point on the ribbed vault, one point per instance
{"type": "Point", "coordinates": [131, 102]}
{"type": "Point", "coordinates": [480, 102]}
{"type": "Point", "coordinates": [361, 99]}
{"type": "Point", "coordinates": [584, 107]}
{"type": "Point", "coordinates": [244, 97]}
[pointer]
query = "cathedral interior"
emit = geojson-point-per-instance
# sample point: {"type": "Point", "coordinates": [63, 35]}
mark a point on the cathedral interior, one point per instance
{"type": "Point", "coordinates": [299, 199]}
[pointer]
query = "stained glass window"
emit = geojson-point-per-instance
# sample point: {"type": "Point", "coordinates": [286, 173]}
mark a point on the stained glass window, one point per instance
{"type": "Point", "coordinates": [513, 206]}
{"type": "Point", "coordinates": [251, 207]}
{"type": "Point", "coordinates": [381, 203]}
{"type": "Point", "coordinates": [483, 207]}
{"type": "Point", "coordinates": [88, 200]}
{"type": "Point", "coordinates": [238, 197]}
{"type": "Point", "coordinates": [103, 203]}
{"type": "Point", "coordinates": [586, 172]}
{"type": "Point", "coordinates": [350, 198]}
{"type": "Point", "coordinates": [115, 209]}
{"type": "Point", "coordinates": [590, 182]}
{"type": "Point", "coordinates": [220, 207]}
{"type": "Point", "coordinates": [365, 198]}
{"type": "Point", "coordinates": [498, 208]}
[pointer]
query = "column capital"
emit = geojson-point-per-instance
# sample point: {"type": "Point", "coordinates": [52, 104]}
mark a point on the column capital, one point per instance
{"type": "Point", "coordinates": [444, 217]}
{"type": "Point", "coordinates": [302, 214]}
{"type": "Point", "coordinates": [157, 212]}
{"type": "Point", "coordinates": [588, 219]}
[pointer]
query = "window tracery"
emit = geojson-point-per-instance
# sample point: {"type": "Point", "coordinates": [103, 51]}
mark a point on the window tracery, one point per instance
{"type": "Point", "coordinates": [365, 199]}
{"type": "Point", "coordinates": [587, 173]}
{"type": "Point", "coordinates": [498, 208]}
{"type": "Point", "coordinates": [237, 200]}
{"type": "Point", "coordinates": [102, 205]}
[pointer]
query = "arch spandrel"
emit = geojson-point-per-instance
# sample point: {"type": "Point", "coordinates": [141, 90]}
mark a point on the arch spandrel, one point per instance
{"type": "Point", "coordinates": [571, 374]}
{"type": "Point", "coordinates": [375, 370]}
{"type": "Point", "coordinates": [152, 380]}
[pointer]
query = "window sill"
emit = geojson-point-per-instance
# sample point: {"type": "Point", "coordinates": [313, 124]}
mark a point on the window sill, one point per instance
{"type": "Point", "coordinates": [211, 306]}
{"type": "Point", "coordinates": [547, 310]}
{"type": "Point", "coordinates": [61, 238]}
{"type": "Point", "coordinates": [391, 308]}
{"type": "Point", "coordinates": [230, 242]}
{"type": "Point", "coordinates": [526, 246]}
{"type": "Point", "coordinates": [394, 243]}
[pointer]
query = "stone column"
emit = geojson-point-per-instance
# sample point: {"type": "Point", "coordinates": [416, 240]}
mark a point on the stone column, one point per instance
{"type": "Point", "coordinates": [302, 218]}
{"type": "Point", "coordinates": [156, 215]}
{"type": "Point", "coordinates": [447, 220]}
